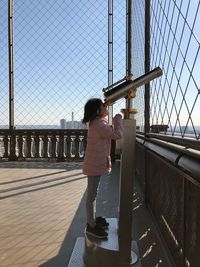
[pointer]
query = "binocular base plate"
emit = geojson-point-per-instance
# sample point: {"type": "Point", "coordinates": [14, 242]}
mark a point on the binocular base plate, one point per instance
{"type": "Point", "coordinates": [90, 252]}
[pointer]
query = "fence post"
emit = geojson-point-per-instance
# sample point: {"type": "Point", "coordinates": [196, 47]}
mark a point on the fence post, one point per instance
{"type": "Point", "coordinates": [147, 90]}
{"type": "Point", "coordinates": [147, 66]}
{"type": "Point", "coordinates": [10, 67]}
{"type": "Point", "coordinates": [128, 44]}
{"type": "Point", "coordinates": [11, 80]}
{"type": "Point", "coordinates": [110, 52]}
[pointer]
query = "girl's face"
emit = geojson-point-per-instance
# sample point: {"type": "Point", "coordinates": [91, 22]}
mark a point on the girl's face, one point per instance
{"type": "Point", "coordinates": [103, 111]}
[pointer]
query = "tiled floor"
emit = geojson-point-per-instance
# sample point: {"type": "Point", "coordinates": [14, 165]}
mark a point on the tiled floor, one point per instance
{"type": "Point", "coordinates": [38, 203]}
{"type": "Point", "coordinates": [42, 212]}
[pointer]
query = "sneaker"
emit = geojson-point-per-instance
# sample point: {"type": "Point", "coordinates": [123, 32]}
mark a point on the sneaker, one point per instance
{"type": "Point", "coordinates": [100, 221]}
{"type": "Point", "coordinates": [96, 231]}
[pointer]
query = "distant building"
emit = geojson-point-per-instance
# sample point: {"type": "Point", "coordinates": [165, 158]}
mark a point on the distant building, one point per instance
{"type": "Point", "coordinates": [157, 128]}
{"type": "Point", "coordinates": [63, 124]}
{"type": "Point", "coordinates": [75, 125]}
{"type": "Point", "coordinates": [72, 124]}
{"type": "Point", "coordinates": [185, 129]}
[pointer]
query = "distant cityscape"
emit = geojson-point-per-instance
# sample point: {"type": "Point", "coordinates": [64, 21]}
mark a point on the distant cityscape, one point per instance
{"type": "Point", "coordinates": [73, 124]}
{"type": "Point", "coordinates": [64, 124]}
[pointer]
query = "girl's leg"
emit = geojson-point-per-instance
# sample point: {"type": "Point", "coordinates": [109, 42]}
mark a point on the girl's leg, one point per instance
{"type": "Point", "coordinates": [92, 189]}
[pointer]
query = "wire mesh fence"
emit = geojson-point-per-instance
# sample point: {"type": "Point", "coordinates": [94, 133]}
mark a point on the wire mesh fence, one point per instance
{"type": "Point", "coordinates": [119, 47]}
{"type": "Point", "coordinates": [61, 60]}
{"type": "Point", "coordinates": [138, 57]}
{"type": "Point", "coordinates": [175, 100]}
{"type": "Point", "coordinates": [4, 79]}
{"type": "Point", "coordinates": [175, 44]}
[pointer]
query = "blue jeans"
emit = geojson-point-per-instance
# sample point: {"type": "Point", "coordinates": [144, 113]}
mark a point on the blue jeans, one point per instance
{"type": "Point", "coordinates": [92, 190]}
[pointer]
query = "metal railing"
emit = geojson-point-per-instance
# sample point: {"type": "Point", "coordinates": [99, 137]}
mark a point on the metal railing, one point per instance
{"type": "Point", "coordinates": [167, 161]}
{"type": "Point", "coordinates": [170, 177]}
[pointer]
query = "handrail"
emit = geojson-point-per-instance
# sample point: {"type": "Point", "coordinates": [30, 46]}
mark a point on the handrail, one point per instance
{"type": "Point", "coordinates": [182, 157]}
{"type": "Point", "coordinates": [186, 142]}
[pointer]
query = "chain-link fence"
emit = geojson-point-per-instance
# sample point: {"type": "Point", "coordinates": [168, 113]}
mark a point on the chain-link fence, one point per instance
{"type": "Point", "coordinates": [4, 79]}
{"type": "Point", "coordinates": [138, 57]}
{"type": "Point", "coordinates": [60, 59]}
{"type": "Point", "coordinates": [119, 46]}
{"type": "Point", "coordinates": [174, 46]}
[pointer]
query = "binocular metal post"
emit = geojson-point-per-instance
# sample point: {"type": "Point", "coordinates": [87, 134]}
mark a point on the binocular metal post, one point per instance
{"type": "Point", "coordinates": [127, 173]}
{"type": "Point", "coordinates": [118, 250]}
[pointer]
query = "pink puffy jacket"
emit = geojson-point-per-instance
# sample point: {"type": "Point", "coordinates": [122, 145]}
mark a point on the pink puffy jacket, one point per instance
{"type": "Point", "coordinates": [97, 155]}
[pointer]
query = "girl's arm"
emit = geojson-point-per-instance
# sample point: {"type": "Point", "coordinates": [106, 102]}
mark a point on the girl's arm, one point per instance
{"type": "Point", "coordinates": [115, 132]}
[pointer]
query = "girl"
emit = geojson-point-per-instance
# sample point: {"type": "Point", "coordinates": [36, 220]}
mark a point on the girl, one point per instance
{"type": "Point", "coordinates": [97, 160]}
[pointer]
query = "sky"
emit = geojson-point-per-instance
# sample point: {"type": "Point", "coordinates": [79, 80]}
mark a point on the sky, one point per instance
{"type": "Point", "coordinates": [61, 57]}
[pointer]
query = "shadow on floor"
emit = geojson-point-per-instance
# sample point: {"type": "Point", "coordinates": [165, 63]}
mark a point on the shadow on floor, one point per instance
{"type": "Point", "coordinates": [152, 253]}
{"type": "Point", "coordinates": [41, 165]}
{"type": "Point", "coordinates": [107, 205]}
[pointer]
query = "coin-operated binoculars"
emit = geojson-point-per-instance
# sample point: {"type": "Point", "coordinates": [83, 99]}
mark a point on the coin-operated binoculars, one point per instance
{"type": "Point", "coordinates": [126, 88]}
{"type": "Point", "coordinates": [119, 249]}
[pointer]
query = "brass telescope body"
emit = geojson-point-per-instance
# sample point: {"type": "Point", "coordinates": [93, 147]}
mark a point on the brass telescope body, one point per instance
{"type": "Point", "coordinates": [128, 88]}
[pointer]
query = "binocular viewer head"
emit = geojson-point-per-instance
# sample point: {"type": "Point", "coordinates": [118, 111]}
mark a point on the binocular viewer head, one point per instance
{"type": "Point", "coordinates": [127, 88]}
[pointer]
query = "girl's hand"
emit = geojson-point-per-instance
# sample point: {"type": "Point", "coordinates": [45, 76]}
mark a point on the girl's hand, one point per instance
{"type": "Point", "coordinates": [116, 118]}
{"type": "Point", "coordinates": [118, 115]}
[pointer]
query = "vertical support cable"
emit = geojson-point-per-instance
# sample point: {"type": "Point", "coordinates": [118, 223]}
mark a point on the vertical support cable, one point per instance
{"type": "Point", "coordinates": [147, 67]}
{"type": "Point", "coordinates": [11, 73]}
{"type": "Point", "coordinates": [110, 51]}
{"type": "Point", "coordinates": [128, 43]}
